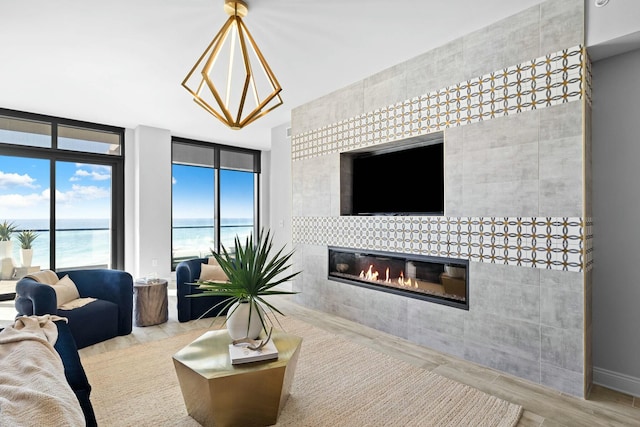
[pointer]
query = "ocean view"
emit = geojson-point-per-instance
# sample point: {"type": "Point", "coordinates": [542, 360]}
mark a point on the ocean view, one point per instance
{"type": "Point", "coordinates": [193, 237]}
{"type": "Point", "coordinates": [85, 242]}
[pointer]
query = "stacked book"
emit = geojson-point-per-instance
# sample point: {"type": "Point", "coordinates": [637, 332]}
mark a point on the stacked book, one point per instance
{"type": "Point", "coordinates": [241, 353]}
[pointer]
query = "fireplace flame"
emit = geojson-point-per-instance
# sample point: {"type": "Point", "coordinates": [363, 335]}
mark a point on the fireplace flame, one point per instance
{"type": "Point", "coordinates": [372, 275]}
{"type": "Point", "coordinates": [403, 282]}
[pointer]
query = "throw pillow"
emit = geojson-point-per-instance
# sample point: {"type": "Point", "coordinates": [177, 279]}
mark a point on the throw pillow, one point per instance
{"type": "Point", "coordinates": [66, 290]}
{"type": "Point", "coordinates": [213, 272]}
{"type": "Point", "coordinates": [212, 261]}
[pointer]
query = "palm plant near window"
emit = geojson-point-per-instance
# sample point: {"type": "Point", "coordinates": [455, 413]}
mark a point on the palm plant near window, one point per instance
{"type": "Point", "coordinates": [26, 238]}
{"type": "Point", "coordinates": [6, 230]}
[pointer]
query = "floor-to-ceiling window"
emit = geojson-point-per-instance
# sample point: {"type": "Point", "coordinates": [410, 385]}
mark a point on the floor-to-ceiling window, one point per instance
{"type": "Point", "coordinates": [24, 205]}
{"type": "Point", "coordinates": [83, 215]}
{"type": "Point", "coordinates": [214, 197]}
{"type": "Point", "coordinates": [193, 192]}
{"type": "Point", "coordinates": [62, 181]}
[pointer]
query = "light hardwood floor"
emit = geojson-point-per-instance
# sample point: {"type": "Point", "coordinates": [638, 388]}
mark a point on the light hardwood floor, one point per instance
{"type": "Point", "coordinates": [543, 406]}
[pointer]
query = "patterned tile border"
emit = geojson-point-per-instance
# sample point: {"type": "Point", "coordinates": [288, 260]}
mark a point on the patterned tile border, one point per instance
{"type": "Point", "coordinates": [553, 79]}
{"type": "Point", "coordinates": [551, 243]}
{"type": "Point", "coordinates": [588, 244]}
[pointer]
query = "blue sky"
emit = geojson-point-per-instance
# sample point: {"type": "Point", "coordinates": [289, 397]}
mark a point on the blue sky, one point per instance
{"type": "Point", "coordinates": [193, 190]}
{"type": "Point", "coordinates": [83, 191]}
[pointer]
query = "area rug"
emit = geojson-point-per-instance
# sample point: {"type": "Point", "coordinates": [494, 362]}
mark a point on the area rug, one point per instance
{"type": "Point", "coordinates": [336, 383]}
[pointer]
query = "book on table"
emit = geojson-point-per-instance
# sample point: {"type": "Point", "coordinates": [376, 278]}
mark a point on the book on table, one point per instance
{"type": "Point", "coordinates": [240, 353]}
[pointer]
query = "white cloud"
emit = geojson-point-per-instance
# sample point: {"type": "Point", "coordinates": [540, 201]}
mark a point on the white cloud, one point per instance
{"type": "Point", "coordinates": [81, 192]}
{"type": "Point", "coordinates": [78, 193]}
{"type": "Point", "coordinates": [173, 180]}
{"type": "Point", "coordinates": [8, 180]}
{"type": "Point", "coordinates": [18, 201]}
{"type": "Point", "coordinates": [95, 175]}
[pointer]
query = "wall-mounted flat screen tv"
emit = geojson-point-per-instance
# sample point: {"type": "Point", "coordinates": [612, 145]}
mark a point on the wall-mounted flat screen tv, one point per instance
{"type": "Point", "coordinates": [398, 181]}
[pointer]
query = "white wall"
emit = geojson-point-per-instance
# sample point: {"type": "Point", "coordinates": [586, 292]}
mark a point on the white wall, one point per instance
{"type": "Point", "coordinates": [281, 187]}
{"type": "Point", "coordinates": [148, 202]}
{"type": "Point", "coordinates": [616, 209]}
{"type": "Point", "coordinates": [612, 29]}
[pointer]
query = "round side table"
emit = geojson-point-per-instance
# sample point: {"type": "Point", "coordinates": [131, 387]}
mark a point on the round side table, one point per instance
{"type": "Point", "coordinates": [150, 305]}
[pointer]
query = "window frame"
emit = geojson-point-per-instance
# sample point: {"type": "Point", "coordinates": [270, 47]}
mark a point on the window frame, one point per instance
{"type": "Point", "coordinates": [55, 154]}
{"type": "Point", "coordinates": [217, 149]}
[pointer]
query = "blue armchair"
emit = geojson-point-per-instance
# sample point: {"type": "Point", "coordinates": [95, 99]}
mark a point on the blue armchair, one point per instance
{"type": "Point", "coordinates": [190, 308]}
{"type": "Point", "coordinates": [107, 317]}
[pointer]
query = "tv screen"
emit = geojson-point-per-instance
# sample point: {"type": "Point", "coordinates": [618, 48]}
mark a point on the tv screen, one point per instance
{"type": "Point", "coordinates": [401, 182]}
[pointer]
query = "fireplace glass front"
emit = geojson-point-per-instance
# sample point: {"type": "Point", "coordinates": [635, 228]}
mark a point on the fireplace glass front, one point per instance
{"type": "Point", "coordinates": [436, 279]}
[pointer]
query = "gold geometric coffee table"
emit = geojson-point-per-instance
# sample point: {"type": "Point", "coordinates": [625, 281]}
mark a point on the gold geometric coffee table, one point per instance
{"type": "Point", "coordinates": [218, 393]}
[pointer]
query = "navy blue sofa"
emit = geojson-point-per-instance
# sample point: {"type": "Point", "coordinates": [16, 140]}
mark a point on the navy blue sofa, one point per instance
{"type": "Point", "coordinates": [107, 317]}
{"type": "Point", "coordinates": [74, 371]}
{"type": "Point", "coordinates": [190, 308]}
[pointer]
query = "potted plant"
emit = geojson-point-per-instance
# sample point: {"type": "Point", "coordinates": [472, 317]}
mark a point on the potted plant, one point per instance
{"type": "Point", "coordinates": [252, 271]}
{"type": "Point", "coordinates": [26, 238]}
{"type": "Point", "coordinates": [6, 250]}
{"type": "Point", "coordinates": [6, 230]}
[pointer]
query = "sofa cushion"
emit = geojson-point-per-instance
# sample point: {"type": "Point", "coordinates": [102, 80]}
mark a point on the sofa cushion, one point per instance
{"type": "Point", "coordinates": [93, 323]}
{"type": "Point", "coordinates": [212, 272]}
{"type": "Point", "coordinates": [66, 291]}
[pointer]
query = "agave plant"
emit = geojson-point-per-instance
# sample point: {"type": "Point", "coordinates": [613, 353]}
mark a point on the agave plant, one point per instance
{"type": "Point", "coordinates": [252, 271]}
{"type": "Point", "coordinates": [6, 229]}
{"type": "Point", "coordinates": [26, 238]}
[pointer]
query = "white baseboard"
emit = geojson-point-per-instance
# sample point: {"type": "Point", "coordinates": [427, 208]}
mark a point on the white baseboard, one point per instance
{"type": "Point", "coordinates": [617, 381]}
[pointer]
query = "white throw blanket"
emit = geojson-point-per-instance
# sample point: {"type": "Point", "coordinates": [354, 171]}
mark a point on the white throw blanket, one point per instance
{"type": "Point", "coordinates": [33, 388]}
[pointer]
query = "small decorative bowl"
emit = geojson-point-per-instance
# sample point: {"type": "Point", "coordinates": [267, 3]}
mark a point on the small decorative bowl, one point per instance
{"type": "Point", "coordinates": [341, 267]}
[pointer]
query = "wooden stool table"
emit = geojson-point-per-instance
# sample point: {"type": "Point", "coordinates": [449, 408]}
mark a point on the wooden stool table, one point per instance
{"type": "Point", "coordinates": [150, 305]}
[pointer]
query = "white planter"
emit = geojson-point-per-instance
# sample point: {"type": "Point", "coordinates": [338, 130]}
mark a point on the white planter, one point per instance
{"type": "Point", "coordinates": [6, 249]}
{"type": "Point", "coordinates": [26, 255]}
{"type": "Point", "coordinates": [6, 268]}
{"type": "Point", "coordinates": [238, 319]}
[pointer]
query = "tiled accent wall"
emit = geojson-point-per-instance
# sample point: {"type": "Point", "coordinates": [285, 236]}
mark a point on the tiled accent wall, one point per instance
{"type": "Point", "coordinates": [553, 79]}
{"type": "Point", "coordinates": [517, 174]}
{"type": "Point", "coordinates": [552, 243]}
{"type": "Point", "coordinates": [550, 80]}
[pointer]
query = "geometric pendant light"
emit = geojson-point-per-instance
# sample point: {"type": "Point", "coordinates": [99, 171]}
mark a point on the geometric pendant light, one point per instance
{"type": "Point", "coordinates": [232, 80]}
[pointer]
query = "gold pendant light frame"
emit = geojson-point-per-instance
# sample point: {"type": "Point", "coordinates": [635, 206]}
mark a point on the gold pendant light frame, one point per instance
{"type": "Point", "coordinates": [219, 106]}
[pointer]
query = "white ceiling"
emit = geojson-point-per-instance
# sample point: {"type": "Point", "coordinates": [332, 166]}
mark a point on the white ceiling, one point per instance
{"type": "Point", "coordinates": [121, 62]}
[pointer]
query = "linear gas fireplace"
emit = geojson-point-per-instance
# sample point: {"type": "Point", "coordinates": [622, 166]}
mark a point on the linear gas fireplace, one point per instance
{"type": "Point", "coordinates": [440, 280]}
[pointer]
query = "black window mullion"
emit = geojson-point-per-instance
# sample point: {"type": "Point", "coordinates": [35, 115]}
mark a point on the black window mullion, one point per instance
{"type": "Point", "coordinates": [256, 204]}
{"type": "Point", "coordinates": [216, 207]}
{"type": "Point", "coordinates": [117, 215]}
{"type": "Point", "coordinates": [52, 213]}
